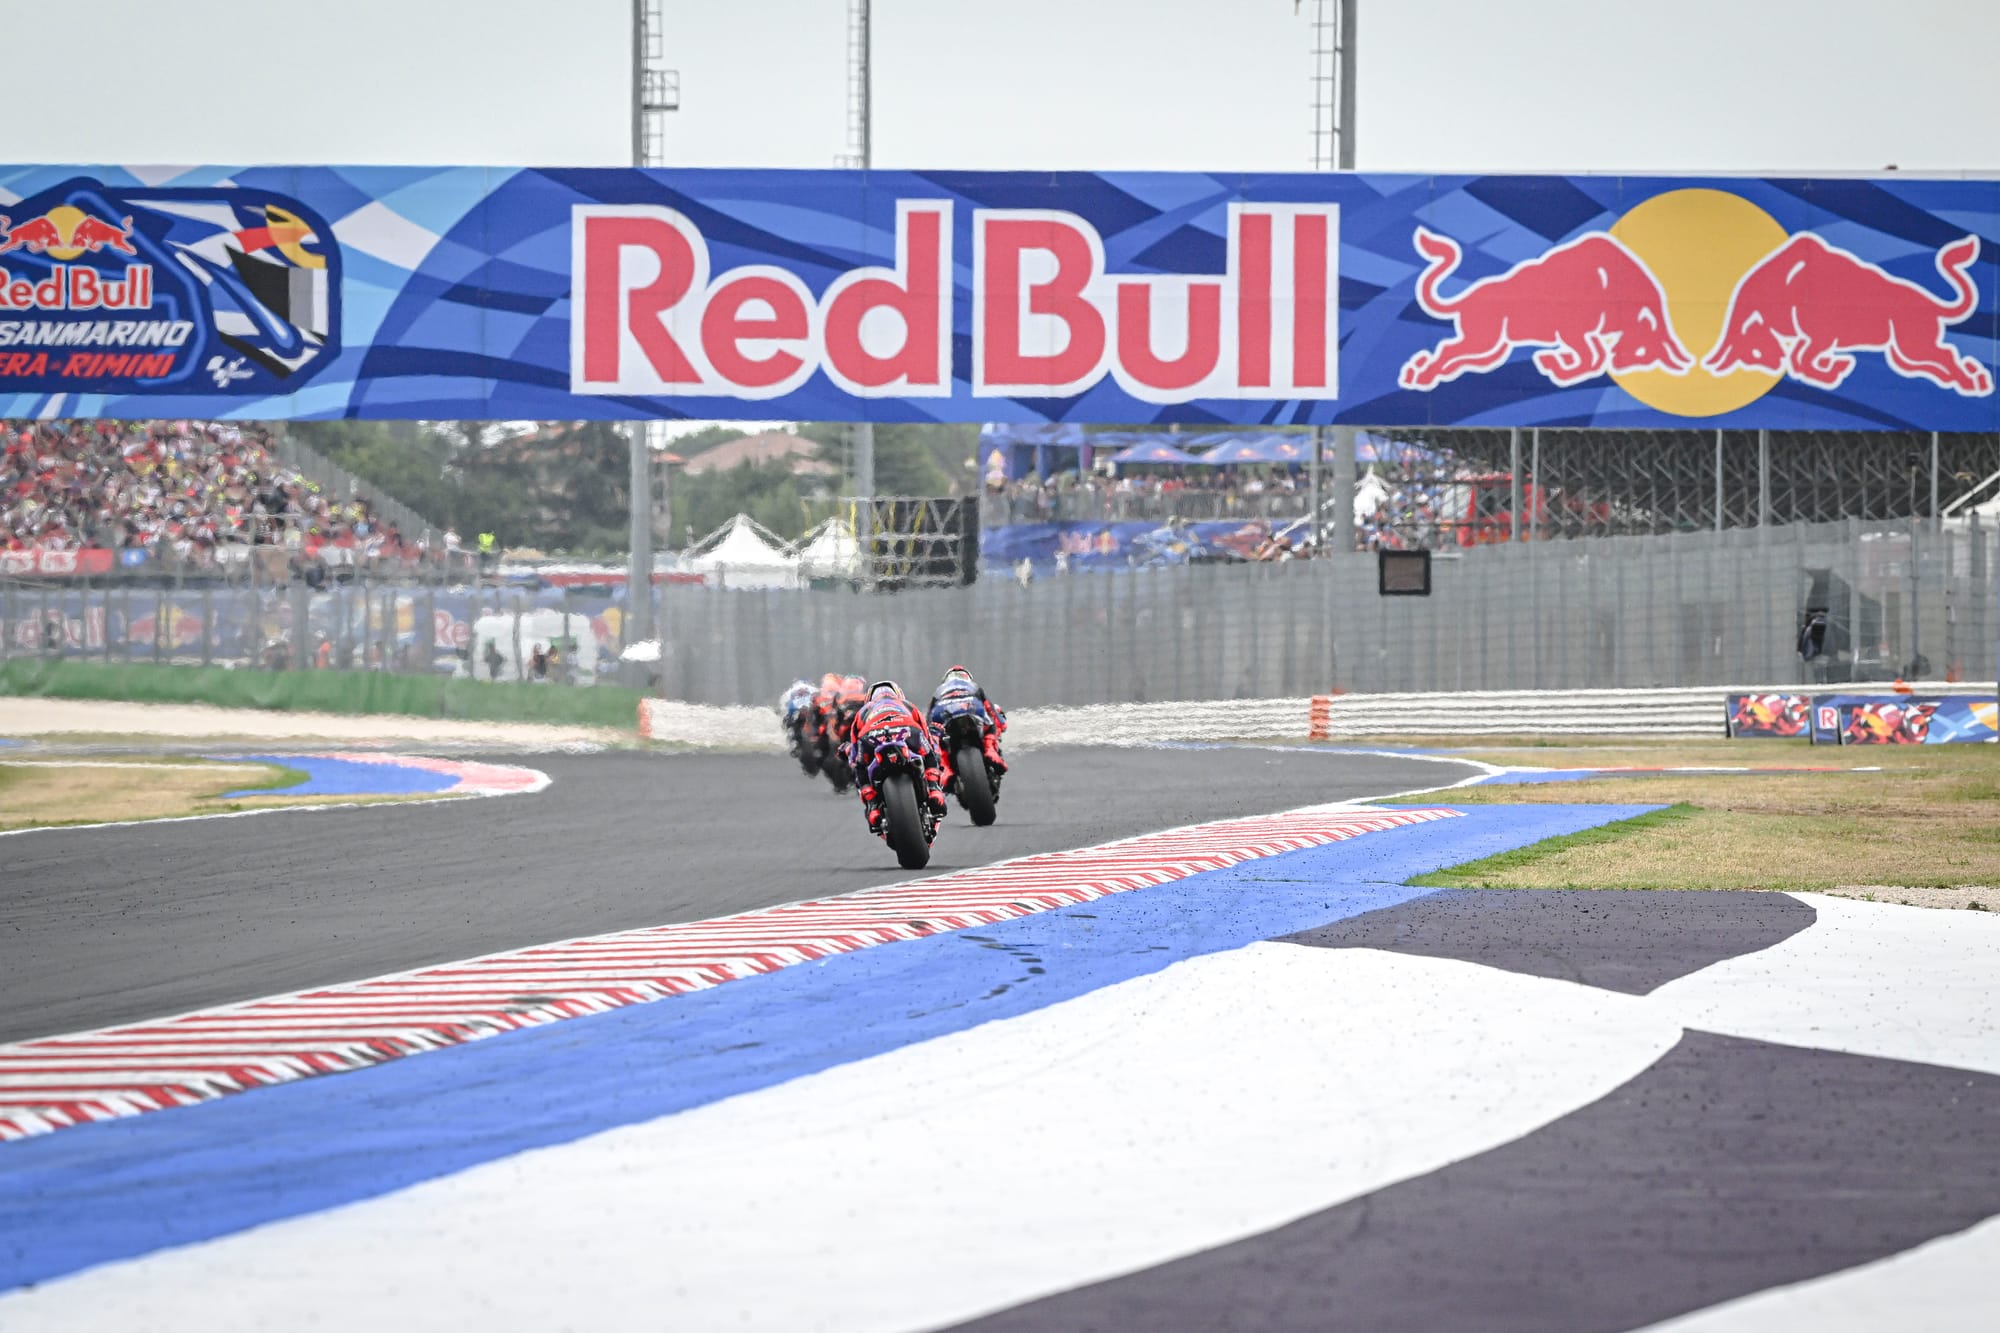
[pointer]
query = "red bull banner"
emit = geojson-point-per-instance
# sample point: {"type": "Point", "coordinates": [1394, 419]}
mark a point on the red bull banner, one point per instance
{"type": "Point", "coordinates": [1135, 297]}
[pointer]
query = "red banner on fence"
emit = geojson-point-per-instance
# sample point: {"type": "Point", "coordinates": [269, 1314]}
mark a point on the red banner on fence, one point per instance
{"type": "Point", "coordinates": [57, 564]}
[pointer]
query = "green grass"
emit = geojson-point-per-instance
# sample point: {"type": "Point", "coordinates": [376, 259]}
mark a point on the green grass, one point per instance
{"type": "Point", "coordinates": [280, 778]}
{"type": "Point", "coordinates": [352, 692]}
{"type": "Point", "coordinates": [1492, 871]}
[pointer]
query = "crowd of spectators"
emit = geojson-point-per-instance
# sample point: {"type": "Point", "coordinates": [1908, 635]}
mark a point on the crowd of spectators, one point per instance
{"type": "Point", "coordinates": [1415, 503]}
{"type": "Point", "coordinates": [1195, 493]}
{"type": "Point", "coordinates": [193, 496]}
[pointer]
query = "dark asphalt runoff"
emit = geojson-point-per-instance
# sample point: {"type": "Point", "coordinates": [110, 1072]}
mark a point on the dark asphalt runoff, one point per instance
{"type": "Point", "coordinates": [1728, 1167]}
{"type": "Point", "coordinates": [102, 926]}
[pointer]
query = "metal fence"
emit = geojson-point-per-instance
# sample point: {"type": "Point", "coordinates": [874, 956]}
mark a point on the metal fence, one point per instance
{"type": "Point", "coordinates": [1443, 489]}
{"type": "Point", "coordinates": [1682, 609]}
{"type": "Point", "coordinates": [403, 626]}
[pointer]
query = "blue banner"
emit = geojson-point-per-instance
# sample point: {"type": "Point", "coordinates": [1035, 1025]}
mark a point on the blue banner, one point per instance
{"type": "Point", "coordinates": [468, 292]}
{"type": "Point", "coordinates": [1903, 720]}
{"type": "Point", "coordinates": [1094, 545]}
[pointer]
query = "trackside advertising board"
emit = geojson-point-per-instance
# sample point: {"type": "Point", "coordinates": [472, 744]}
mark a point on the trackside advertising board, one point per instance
{"type": "Point", "coordinates": [469, 292]}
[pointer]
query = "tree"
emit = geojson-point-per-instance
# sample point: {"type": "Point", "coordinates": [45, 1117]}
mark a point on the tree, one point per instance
{"type": "Point", "coordinates": [767, 492]}
{"type": "Point", "coordinates": [708, 437]}
{"type": "Point", "coordinates": [911, 458]}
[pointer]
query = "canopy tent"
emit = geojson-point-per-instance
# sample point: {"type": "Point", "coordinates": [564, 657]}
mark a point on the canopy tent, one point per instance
{"type": "Point", "coordinates": [1155, 451]}
{"type": "Point", "coordinates": [1267, 448]}
{"type": "Point", "coordinates": [1007, 450]}
{"type": "Point", "coordinates": [743, 554]}
{"type": "Point", "coordinates": [829, 551]}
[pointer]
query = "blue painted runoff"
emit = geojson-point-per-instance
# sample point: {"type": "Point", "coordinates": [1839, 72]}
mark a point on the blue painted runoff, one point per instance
{"type": "Point", "coordinates": [97, 1193]}
{"type": "Point", "coordinates": [1552, 775]}
{"type": "Point", "coordinates": [347, 777]}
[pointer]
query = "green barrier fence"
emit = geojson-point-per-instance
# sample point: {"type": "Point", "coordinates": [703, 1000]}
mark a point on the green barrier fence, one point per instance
{"type": "Point", "coordinates": [324, 692]}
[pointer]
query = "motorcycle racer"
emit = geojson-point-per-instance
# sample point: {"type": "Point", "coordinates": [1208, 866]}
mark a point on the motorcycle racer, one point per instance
{"type": "Point", "coordinates": [793, 702]}
{"type": "Point", "coordinates": [889, 716]}
{"type": "Point", "coordinates": [792, 705]}
{"type": "Point", "coordinates": [959, 694]}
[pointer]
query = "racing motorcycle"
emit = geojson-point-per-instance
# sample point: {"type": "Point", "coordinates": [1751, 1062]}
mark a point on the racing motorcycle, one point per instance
{"type": "Point", "coordinates": [833, 741]}
{"type": "Point", "coordinates": [966, 739]}
{"type": "Point", "coordinates": [896, 772]}
{"type": "Point", "coordinates": [805, 741]}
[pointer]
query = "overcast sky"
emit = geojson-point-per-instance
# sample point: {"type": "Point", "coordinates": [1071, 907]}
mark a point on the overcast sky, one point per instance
{"type": "Point", "coordinates": [1581, 85]}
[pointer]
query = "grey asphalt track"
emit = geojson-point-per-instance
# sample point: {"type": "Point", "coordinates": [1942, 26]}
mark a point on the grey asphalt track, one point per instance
{"type": "Point", "coordinates": [103, 926]}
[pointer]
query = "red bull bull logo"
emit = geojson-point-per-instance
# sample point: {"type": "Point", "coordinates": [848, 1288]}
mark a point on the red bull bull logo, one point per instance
{"type": "Point", "coordinates": [66, 232]}
{"type": "Point", "coordinates": [1589, 305]}
{"type": "Point", "coordinates": [1697, 302]}
{"type": "Point", "coordinates": [1807, 306]}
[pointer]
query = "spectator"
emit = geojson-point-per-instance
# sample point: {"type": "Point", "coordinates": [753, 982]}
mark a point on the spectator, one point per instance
{"type": "Point", "coordinates": [189, 494]}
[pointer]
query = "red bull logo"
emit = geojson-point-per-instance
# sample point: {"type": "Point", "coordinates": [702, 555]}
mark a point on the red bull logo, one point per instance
{"type": "Point", "coordinates": [1590, 306]}
{"type": "Point", "coordinates": [65, 232]}
{"type": "Point", "coordinates": [1807, 306]}
{"type": "Point", "coordinates": [1697, 302]}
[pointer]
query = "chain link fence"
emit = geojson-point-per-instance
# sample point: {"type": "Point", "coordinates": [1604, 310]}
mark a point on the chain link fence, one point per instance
{"type": "Point", "coordinates": [443, 627]}
{"type": "Point", "coordinates": [1908, 599]}
{"type": "Point", "coordinates": [1446, 489]}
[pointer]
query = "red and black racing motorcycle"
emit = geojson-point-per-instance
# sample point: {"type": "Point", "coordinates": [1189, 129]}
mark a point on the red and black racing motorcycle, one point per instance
{"type": "Point", "coordinates": [838, 730]}
{"type": "Point", "coordinates": [969, 743]}
{"type": "Point", "coordinates": [909, 825]}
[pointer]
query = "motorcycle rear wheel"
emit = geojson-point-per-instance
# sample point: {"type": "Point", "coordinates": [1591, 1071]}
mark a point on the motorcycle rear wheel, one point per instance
{"type": "Point", "coordinates": [906, 825]}
{"type": "Point", "coordinates": [975, 793]}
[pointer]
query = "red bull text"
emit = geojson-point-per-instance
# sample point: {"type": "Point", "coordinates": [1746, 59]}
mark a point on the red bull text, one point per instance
{"type": "Point", "coordinates": [1048, 318]}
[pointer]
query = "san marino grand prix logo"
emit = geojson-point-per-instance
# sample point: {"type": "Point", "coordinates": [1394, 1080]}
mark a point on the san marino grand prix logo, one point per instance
{"type": "Point", "coordinates": [1697, 302]}
{"type": "Point", "coordinates": [108, 289]}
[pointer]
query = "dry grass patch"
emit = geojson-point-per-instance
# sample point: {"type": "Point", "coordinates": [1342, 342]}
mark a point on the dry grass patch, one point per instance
{"type": "Point", "coordinates": [45, 792]}
{"type": "Point", "coordinates": [1929, 821]}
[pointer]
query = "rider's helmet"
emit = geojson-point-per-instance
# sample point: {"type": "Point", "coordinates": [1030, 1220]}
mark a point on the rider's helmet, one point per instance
{"type": "Point", "coordinates": [958, 673]}
{"type": "Point", "coordinates": [884, 689]}
{"type": "Point", "coordinates": [829, 681]}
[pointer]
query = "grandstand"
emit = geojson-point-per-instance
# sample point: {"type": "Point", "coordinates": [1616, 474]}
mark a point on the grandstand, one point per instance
{"type": "Point", "coordinates": [191, 498]}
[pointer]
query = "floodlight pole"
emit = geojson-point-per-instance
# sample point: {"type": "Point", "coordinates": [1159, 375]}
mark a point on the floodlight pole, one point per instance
{"type": "Point", "coordinates": [1333, 29]}
{"type": "Point", "coordinates": [655, 92]}
{"type": "Point", "coordinates": [860, 133]}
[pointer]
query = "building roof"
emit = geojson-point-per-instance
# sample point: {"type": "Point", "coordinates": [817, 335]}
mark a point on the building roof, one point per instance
{"type": "Point", "coordinates": [766, 447]}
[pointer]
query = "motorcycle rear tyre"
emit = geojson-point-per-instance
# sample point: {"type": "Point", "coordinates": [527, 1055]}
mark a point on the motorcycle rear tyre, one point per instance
{"type": "Point", "coordinates": [975, 793]}
{"type": "Point", "coordinates": [906, 825]}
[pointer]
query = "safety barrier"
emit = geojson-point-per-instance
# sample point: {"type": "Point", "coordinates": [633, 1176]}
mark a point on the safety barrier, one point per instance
{"type": "Point", "coordinates": [1696, 712]}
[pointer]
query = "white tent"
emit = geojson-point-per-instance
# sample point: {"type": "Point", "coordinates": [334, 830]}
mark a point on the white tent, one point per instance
{"type": "Point", "coordinates": [742, 554]}
{"type": "Point", "coordinates": [829, 551]}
